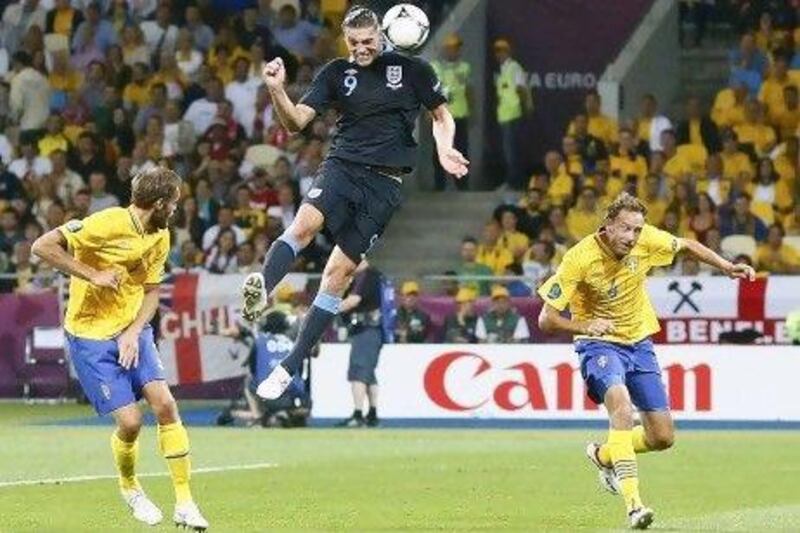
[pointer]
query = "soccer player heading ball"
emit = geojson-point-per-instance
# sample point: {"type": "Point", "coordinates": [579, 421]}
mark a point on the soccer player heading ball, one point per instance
{"type": "Point", "coordinates": [602, 280]}
{"type": "Point", "coordinates": [116, 263]}
{"type": "Point", "coordinates": [358, 187]}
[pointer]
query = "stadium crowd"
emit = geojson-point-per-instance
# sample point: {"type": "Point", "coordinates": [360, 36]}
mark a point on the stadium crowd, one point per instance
{"type": "Point", "coordinates": [93, 91]}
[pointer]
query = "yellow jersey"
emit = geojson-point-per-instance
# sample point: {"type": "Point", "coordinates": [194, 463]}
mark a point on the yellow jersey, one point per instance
{"type": "Point", "coordinates": [594, 283]}
{"type": "Point", "coordinates": [111, 239]}
{"type": "Point", "coordinates": [600, 126]}
{"type": "Point", "coordinates": [727, 112]}
{"type": "Point", "coordinates": [689, 159]}
{"type": "Point", "coordinates": [497, 258]}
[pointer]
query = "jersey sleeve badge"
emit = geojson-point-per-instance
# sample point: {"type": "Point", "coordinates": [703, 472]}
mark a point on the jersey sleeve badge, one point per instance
{"type": "Point", "coordinates": [555, 292]}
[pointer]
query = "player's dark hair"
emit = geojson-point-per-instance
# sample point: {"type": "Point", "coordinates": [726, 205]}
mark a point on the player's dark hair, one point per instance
{"type": "Point", "coordinates": [624, 202]}
{"type": "Point", "coordinates": [360, 17]}
{"type": "Point", "coordinates": [155, 184]}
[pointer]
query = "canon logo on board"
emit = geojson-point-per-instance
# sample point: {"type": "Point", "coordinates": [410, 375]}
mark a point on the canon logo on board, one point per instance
{"type": "Point", "coordinates": [519, 385]}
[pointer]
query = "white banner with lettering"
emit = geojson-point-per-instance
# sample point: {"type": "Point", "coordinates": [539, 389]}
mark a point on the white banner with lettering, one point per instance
{"type": "Point", "coordinates": [543, 382]}
{"type": "Point", "coordinates": [195, 309]}
{"type": "Point", "coordinates": [698, 309]}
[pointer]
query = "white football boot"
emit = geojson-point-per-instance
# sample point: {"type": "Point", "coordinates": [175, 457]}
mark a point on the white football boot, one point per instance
{"type": "Point", "coordinates": [188, 515]}
{"type": "Point", "coordinates": [142, 508]}
{"type": "Point", "coordinates": [607, 477]}
{"type": "Point", "coordinates": [276, 383]}
{"type": "Point", "coordinates": [254, 297]}
{"type": "Point", "coordinates": [641, 518]}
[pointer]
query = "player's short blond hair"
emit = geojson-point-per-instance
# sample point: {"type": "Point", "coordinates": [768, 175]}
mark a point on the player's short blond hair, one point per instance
{"type": "Point", "coordinates": [359, 16]}
{"type": "Point", "coordinates": [152, 185]}
{"type": "Point", "coordinates": [624, 202]}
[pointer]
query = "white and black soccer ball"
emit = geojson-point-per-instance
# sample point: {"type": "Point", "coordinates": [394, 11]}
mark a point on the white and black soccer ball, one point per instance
{"type": "Point", "coordinates": [406, 26]}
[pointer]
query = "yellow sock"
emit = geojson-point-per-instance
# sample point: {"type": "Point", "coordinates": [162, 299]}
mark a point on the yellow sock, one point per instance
{"type": "Point", "coordinates": [125, 455]}
{"type": "Point", "coordinates": [604, 454]}
{"type": "Point", "coordinates": [639, 442]}
{"type": "Point", "coordinates": [639, 446]}
{"type": "Point", "coordinates": [620, 444]}
{"type": "Point", "coordinates": [173, 442]}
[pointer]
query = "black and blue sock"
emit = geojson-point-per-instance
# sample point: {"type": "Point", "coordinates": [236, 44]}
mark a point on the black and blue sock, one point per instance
{"type": "Point", "coordinates": [318, 319]}
{"type": "Point", "coordinates": [279, 260]}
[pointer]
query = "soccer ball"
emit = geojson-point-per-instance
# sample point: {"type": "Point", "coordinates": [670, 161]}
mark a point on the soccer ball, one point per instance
{"type": "Point", "coordinates": [406, 26]}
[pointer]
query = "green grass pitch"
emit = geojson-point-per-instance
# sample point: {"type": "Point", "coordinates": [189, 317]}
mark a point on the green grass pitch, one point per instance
{"type": "Point", "coordinates": [387, 479]}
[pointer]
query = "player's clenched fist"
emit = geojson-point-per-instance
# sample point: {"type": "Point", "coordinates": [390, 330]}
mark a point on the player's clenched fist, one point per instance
{"type": "Point", "coordinates": [598, 327]}
{"type": "Point", "coordinates": [274, 73]}
{"type": "Point", "coordinates": [106, 278]}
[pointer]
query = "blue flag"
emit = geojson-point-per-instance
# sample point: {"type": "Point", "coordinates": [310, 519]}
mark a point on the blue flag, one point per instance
{"type": "Point", "coordinates": [388, 310]}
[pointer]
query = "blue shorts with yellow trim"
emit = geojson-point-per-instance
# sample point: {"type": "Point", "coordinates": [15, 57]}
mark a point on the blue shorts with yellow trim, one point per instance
{"type": "Point", "coordinates": [604, 364]}
{"type": "Point", "coordinates": [108, 385]}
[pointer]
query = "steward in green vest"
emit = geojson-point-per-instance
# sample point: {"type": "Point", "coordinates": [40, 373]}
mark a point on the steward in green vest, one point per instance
{"type": "Point", "coordinates": [455, 75]}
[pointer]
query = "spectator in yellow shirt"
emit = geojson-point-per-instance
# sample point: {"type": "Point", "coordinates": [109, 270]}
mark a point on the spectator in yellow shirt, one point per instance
{"type": "Point", "coordinates": [787, 118]}
{"type": "Point", "coordinates": [63, 19]}
{"type": "Point", "coordinates": [573, 162]}
{"type": "Point", "coordinates": [767, 37]}
{"type": "Point", "coordinates": [754, 130]}
{"type": "Point", "coordinates": [62, 77]}
{"type": "Point", "coordinates": [786, 160]}
{"type": "Point", "coordinates": [626, 164]}
{"type": "Point", "coordinates": [512, 239]}
{"type": "Point", "coordinates": [137, 93]}
{"type": "Point", "coordinates": [682, 162]}
{"type": "Point", "coordinates": [491, 252]}
{"type": "Point", "coordinates": [54, 139]}
{"type": "Point", "coordinates": [771, 92]}
{"type": "Point", "coordinates": [728, 109]}
{"type": "Point", "coordinates": [735, 163]}
{"type": "Point", "coordinates": [653, 200]}
{"type": "Point", "coordinates": [698, 129]}
{"type": "Point", "coordinates": [775, 256]}
{"type": "Point", "coordinates": [251, 220]}
{"type": "Point", "coordinates": [585, 217]}
{"type": "Point", "coordinates": [601, 126]}
{"type": "Point", "coordinates": [561, 183]}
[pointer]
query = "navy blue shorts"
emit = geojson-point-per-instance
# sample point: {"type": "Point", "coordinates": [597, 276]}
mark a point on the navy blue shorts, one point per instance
{"type": "Point", "coordinates": [108, 385]}
{"type": "Point", "coordinates": [604, 364]}
{"type": "Point", "coordinates": [357, 204]}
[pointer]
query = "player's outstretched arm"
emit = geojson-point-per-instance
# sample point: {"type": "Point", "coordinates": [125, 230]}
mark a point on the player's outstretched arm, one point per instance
{"type": "Point", "coordinates": [710, 257]}
{"type": "Point", "coordinates": [294, 117]}
{"type": "Point", "coordinates": [444, 131]}
{"type": "Point", "coordinates": [52, 248]}
{"type": "Point", "coordinates": [551, 321]}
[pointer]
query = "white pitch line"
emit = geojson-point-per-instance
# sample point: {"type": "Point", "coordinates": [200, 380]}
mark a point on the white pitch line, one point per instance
{"type": "Point", "coordinates": [78, 479]}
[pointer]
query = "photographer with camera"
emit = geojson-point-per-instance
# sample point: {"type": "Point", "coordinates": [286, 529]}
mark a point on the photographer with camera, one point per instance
{"type": "Point", "coordinates": [268, 344]}
{"type": "Point", "coordinates": [361, 313]}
